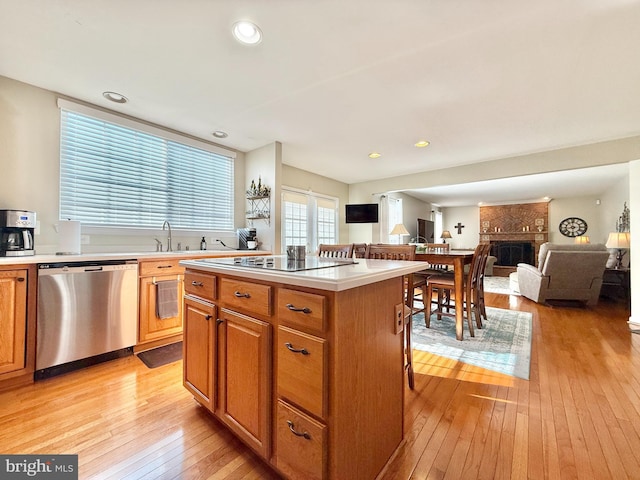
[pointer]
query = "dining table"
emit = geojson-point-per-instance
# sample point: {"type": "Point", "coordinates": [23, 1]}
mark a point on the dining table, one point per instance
{"type": "Point", "coordinates": [458, 259]}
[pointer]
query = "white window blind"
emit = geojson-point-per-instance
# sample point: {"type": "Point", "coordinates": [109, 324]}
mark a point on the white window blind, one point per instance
{"type": "Point", "coordinates": [118, 176]}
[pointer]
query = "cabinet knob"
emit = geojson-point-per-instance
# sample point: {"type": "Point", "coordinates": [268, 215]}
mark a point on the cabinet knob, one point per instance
{"type": "Point", "coordinates": [208, 317]}
{"type": "Point", "coordinates": [242, 295]}
{"type": "Point", "coordinates": [303, 351]}
{"type": "Point", "coordinates": [20, 279]}
{"type": "Point", "coordinates": [298, 434]}
{"type": "Point", "coordinates": [219, 321]}
{"type": "Point", "coordinates": [293, 308]}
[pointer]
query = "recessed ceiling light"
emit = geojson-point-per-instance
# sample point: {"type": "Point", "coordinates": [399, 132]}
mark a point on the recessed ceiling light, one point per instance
{"type": "Point", "coordinates": [220, 134]}
{"type": "Point", "coordinates": [115, 97]}
{"type": "Point", "coordinates": [247, 32]}
{"type": "Point", "coordinates": [375, 155]}
{"type": "Point", "coordinates": [421, 144]}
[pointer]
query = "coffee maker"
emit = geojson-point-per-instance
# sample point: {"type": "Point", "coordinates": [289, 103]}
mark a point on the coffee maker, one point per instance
{"type": "Point", "coordinates": [246, 235]}
{"type": "Point", "coordinates": [16, 233]}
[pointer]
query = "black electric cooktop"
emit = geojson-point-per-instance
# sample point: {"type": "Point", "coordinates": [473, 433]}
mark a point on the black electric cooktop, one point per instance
{"type": "Point", "coordinates": [280, 263]}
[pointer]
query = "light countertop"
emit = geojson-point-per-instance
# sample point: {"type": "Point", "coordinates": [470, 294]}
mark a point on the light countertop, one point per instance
{"type": "Point", "coordinates": [336, 279]}
{"type": "Point", "coordinates": [97, 257]}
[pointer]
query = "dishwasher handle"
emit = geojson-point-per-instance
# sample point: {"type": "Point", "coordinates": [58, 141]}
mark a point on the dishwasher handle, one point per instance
{"type": "Point", "coordinates": [93, 269]}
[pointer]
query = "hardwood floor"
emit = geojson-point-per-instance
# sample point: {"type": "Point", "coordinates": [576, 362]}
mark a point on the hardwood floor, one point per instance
{"type": "Point", "coordinates": [577, 417]}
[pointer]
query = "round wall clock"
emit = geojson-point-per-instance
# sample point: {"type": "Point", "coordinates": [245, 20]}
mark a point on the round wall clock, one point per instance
{"type": "Point", "coordinates": [573, 227]}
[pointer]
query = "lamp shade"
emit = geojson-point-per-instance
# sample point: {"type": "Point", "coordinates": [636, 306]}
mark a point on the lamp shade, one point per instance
{"type": "Point", "coordinates": [619, 240]}
{"type": "Point", "coordinates": [399, 229]}
{"type": "Point", "coordinates": [582, 239]}
{"type": "Point", "coordinates": [446, 234]}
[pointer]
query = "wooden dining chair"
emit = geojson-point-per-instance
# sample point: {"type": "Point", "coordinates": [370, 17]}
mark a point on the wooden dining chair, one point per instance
{"type": "Point", "coordinates": [402, 252]}
{"type": "Point", "coordinates": [344, 250]}
{"type": "Point", "coordinates": [444, 284]}
{"type": "Point", "coordinates": [359, 250]}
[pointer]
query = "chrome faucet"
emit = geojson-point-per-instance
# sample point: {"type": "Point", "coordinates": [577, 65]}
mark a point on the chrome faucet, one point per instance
{"type": "Point", "coordinates": [168, 225]}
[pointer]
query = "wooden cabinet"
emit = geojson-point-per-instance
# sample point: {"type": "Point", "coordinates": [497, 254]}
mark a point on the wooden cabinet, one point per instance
{"type": "Point", "coordinates": [244, 380]}
{"type": "Point", "coordinates": [153, 330]}
{"type": "Point", "coordinates": [17, 324]}
{"type": "Point", "coordinates": [311, 379]}
{"type": "Point", "coordinates": [13, 320]}
{"type": "Point", "coordinates": [228, 356]}
{"type": "Point", "coordinates": [199, 361]}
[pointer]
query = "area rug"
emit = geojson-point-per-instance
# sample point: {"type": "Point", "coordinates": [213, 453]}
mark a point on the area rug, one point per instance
{"type": "Point", "coordinates": [502, 345]}
{"type": "Point", "coordinates": [498, 285]}
{"type": "Point", "coordinates": [157, 357]}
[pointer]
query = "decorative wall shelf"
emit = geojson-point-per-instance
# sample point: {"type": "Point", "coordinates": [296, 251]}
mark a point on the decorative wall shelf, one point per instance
{"type": "Point", "coordinates": [259, 208]}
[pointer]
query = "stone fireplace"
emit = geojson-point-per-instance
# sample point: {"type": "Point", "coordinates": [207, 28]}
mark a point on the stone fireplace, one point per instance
{"type": "Point", "coordinates": [515, 232]}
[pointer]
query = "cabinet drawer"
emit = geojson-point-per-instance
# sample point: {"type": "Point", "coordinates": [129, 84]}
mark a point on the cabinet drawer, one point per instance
{"type": "Point", "coordinates": [301, 309]}
{"type": "Point", "coordinates": [201, 285]}
{"type": "Point", "coordinates": [247, 296]}
{"type": "Point", "coordinates": [160, 267]}
{"type": "Point", "coordinates": [301, 444]}
{"type": "Point", "coordinates": [302, 370]}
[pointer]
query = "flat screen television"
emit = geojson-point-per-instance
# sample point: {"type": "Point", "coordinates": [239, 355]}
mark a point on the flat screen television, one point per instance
{"type": "Point", "coordinates": [361, 213]}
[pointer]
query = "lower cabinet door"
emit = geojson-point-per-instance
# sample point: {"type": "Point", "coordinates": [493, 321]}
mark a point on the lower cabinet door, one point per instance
{"type": "Point", "coordinates": [152, 327]}
{"type": "Point", "coordinates": [301, 444]}
{"type": "Point", "coordinates": [244, 356]}
{"type": "Point", "coordinates": [198, 348]}
{"type": "Point", "coordinates": [13, 320]}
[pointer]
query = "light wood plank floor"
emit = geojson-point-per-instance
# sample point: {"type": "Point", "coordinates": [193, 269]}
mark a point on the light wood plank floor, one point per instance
{"type": "Point", "coordinates": [577, 417]}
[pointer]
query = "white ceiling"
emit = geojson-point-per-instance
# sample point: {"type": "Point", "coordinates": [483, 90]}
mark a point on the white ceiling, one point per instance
{"type": "Point", "coordinates": [335, 79]}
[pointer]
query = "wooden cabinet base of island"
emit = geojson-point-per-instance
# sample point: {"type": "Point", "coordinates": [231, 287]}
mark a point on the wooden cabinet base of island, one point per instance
{"type": "Point", "coordinates": [312, 380]}
{"type": "Point", "coordinates": [17, 325]}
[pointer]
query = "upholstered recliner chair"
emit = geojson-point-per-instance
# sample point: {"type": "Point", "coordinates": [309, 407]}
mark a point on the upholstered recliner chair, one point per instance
{"type": "Point", "coordinates": [564, 272]}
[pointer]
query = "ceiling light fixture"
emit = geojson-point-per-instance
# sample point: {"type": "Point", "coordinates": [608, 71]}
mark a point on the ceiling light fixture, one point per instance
{"type": "Point", "coordinates": [247, 32]}
{"type": "Point", "coordinates": [220, 134]}
{"type": "Point", "coordinates": [115, 97]}
{"type": "Point", "coordinates": [375, 155]}
{"type": "Point", "coordinates": [421, 144]}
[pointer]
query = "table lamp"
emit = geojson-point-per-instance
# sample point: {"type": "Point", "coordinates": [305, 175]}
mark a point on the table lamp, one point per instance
{"type": "Point", "coordinates": [582, 240]}
{"type": "Point", "coordinates": [621, 241]}
{"type": "Point", "coordinates": [445, 234]}
{"type": "Point", "coordinates": [399, 230]}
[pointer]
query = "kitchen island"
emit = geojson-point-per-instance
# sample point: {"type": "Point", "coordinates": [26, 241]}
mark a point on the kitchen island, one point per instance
{"type": "Point", "coordinates": [306, 366]}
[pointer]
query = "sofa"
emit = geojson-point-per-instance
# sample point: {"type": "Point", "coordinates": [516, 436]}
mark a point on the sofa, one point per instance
{"type": "Point", "coordinates": [564, 272]}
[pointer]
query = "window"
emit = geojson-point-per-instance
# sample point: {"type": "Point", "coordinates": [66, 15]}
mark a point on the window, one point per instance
{"type": "Point", "coordinates": [395, 217]}
{"type": "Point", "coordinates": [119, 173]}
{"type": "Point", "coordinates": [308, 219]}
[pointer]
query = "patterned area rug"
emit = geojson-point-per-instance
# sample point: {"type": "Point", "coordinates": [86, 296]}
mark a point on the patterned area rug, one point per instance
{"type": "Point", "coordinates": [502, 345]}
{"type": "Point", "coordinates": [499, 285]}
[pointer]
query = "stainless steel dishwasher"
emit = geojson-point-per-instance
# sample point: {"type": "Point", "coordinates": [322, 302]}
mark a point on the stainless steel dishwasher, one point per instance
{"type": "Point", "coordinates": [87, 313]}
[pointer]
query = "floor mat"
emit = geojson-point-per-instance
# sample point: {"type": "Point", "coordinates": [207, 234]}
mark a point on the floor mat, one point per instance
{"type": "Point", "coordinates": [161, 355]}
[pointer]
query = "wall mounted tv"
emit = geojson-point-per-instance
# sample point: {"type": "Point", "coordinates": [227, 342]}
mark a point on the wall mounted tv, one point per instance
{"type": "Point", "coordinates": [361, 213]}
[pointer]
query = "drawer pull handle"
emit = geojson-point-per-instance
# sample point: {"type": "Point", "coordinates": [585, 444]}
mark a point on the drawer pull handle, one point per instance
{"type": "Point", "coordinates": [165, 266]}
{"type": "Point", "coordinates": [242, 295]}
{"type": "Point", "coordinates": [20, 279]}
{"type": "Point", "coordinates": [293, 308]}
{"type": "Point", "coordinates": [303, 351]}
{"type": "Point", "coordinates": [298, 434]}
{"type": "Point", "coordinates": [197, 284]}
